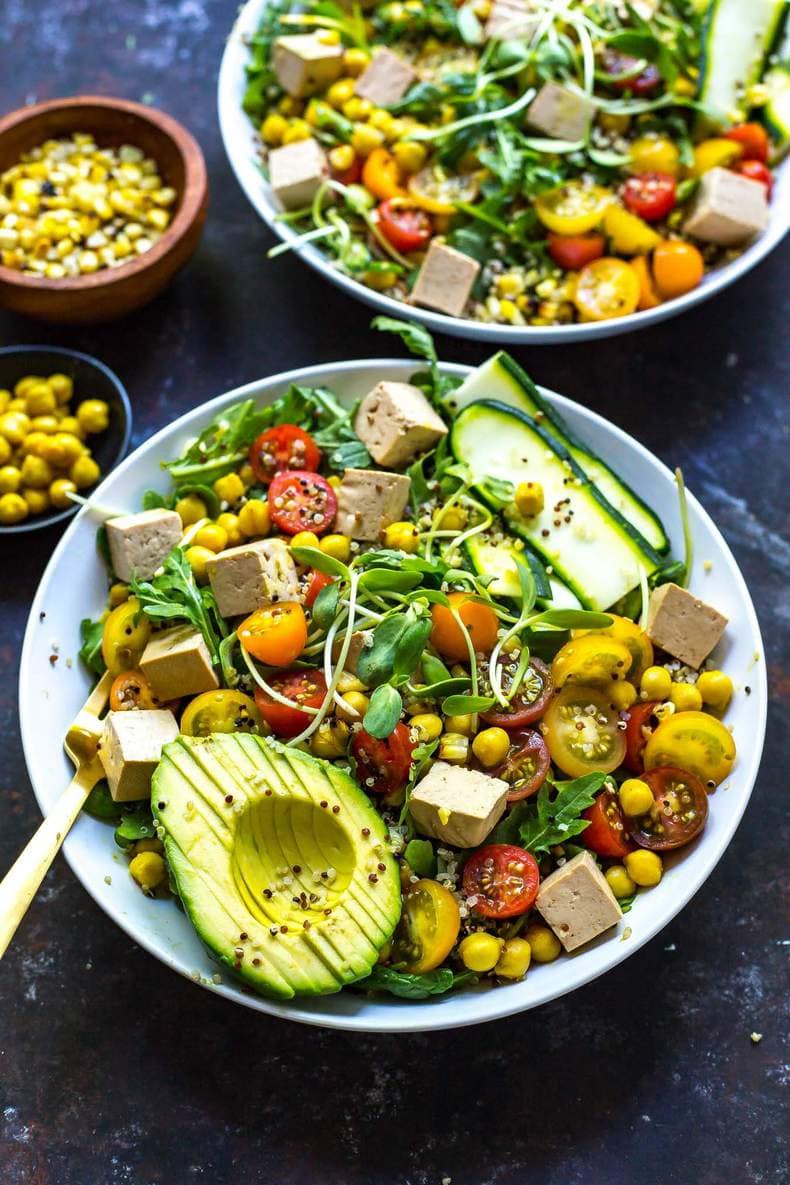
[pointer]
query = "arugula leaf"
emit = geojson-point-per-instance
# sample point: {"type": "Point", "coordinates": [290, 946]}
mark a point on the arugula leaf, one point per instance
{"type": "Point", "coordinates": [134, 825]}
{"type": "Point", "coordinates": [153, 500]}
{"type": "Point", "coordinates": [91, 633]}
{"type": "Point", "coordinates": [324, 609]}
{"type": "Point", "coordinates": [555, 815]}
{"type": "Point", "coordinates": [419, 342]}
{"type": "Point", "coordinates": [384, 712]}
{"type": "Point", "coordinates": [420, 857]}
{"type": "Point", "coordinates": [409, 986]}
{"type": "Point", "coordinates": [175, 596]}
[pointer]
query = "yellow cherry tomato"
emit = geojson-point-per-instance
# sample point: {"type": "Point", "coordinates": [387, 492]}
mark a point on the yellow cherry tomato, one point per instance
{"type": "Point", "coordinates": [632, 637]}
{"type": "Point", "coordinates": [654, 154]}
{"type": "Point", "coordinates": [606, 288]}
{"type": "Point", "coordinates": [580, 729]}
{"type": "Point", "coordinates": [678, 268]}
{"type": "Point", "coordinates": [125, 636]}
{"type": "Point", "coordinates": [220, 711]}
{"type": "Point", "coordinates": [428, 927]}
{"type": "Point", "coordinates": [715, 153]}
{"type": "Point", "coordinates": [573, 208]}
{"type": "Point", "coordinates": [592, 661]}
{"type": "Point", "coordinates": [381, 174]}
{"type": "Point", "coordinates": [628, 234]}
{"type": "Point", "coordinates": [437, 191]}
{"type": "Point", "coordinates": [693, 741]}
{"type": "Point", "coordinates": [648, 297]}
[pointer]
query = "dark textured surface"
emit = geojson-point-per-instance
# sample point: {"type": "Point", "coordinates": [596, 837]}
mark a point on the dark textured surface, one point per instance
{"type": "Point", "coordinates": [114, 1071]}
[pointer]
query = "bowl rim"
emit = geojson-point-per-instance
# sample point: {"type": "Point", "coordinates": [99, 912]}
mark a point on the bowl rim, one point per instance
{"type": "Point", "coordinates": [409, 1016]}
{"type": "Point", "coordinates": [256, 189]}
{"type": "Point", "coordinates": [40, 522]}
{"type": "Point", "coordinates": [192, 197]}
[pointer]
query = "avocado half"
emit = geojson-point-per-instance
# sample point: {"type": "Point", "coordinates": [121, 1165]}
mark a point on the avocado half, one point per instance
{"type": "Point", "coordinates": [279, 859]}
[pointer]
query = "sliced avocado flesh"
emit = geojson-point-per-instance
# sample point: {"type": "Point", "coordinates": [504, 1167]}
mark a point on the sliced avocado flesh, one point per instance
{"type": "Point", "coordinates": [249, 826]}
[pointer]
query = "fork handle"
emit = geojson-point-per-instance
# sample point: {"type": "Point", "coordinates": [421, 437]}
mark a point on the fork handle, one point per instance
{"type": "Point", "coordinates": [20, 884]}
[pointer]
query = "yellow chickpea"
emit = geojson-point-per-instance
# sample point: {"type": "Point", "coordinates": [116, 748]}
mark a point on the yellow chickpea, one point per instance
{"type": "Point", "coordinates": [5, 399]}
{"type": "Point", "coordinates": [198, 557]}
{"type": "Point", "coordinates": [644, 868]}
{"type": "Point", "coordinates": [543, 943]}
{"type": "Point", "coordinates": [84, 472]}
{"type": "Point", "coordinates": [36, 473]}
{"type": "Point", "coordinates": [355, 706]}
{"type": "Point", "coordinates": [46, 424]}
{"type": "Point", "coordinates": [212, 537]}
{"type": "Point", "coordinates": [480, 952]}
{"type": "Point", "coordinates": [37, 500]}
{"type": "Point", "coordinates": [40, 400]}
{"type": "Point", "coordinates": [10, 479]}
{"type": "Point", "coordinates": [254, 518]}
{"type": "Point", "coordinates": [619, 881]}
{"type": "Point", "coordinates": [59, 493]}
{"type": "Point", "coordinates": [355, 61]}
{"type": "Point", "coordinates": [33, 443]}
{"type": "Point", "coordinates": [191, 509]}
{"type": "Point", "coordinates": [71, 424]}
{"type": "Point", "coordinates": [336, 546]}
{"type": "Point", "coordinates": [230, 524]}
{"type": "Point", "coordinates": [14, 426]}
{"type": "Point", "coordinates": [23, 385]}
{"type": "Point", "coordinates": [63, 387]}
{"type": "Point", "coordinates": [93, 415]}
{"type": "Point", "coordinates": [514, 961]}
{"type": "Point", "coordinates": [13, 509]}
{"type": "Point", "coordinates": [5, 451]}
{"type": "Point", "coordinates": [305, 539]}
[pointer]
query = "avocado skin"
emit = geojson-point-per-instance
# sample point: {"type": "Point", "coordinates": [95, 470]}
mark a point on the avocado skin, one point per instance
{"type": "Point", "coordinates": [246, 823]}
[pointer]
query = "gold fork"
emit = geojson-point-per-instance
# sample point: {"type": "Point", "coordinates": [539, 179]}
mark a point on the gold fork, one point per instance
{"type": "Point", "coordinates": [20, 884]}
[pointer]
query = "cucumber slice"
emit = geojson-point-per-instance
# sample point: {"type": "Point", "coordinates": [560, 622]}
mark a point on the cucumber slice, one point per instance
{"type": "Point", "coordinates": [495, 558]}
{"type": "Point", "coordinates": [501, 378]}
{"type": "Point", "coordinates": [776, 81]}
{"type": "Point", "coordinates": [737, 37]}
{"type": "Point", "coordinates": [598, 554]}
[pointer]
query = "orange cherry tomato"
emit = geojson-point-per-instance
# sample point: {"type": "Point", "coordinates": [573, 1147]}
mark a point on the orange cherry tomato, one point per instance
{"type": "Point", "coordinates": [677, 268]}
{"type": "Point", "coordinates": [606, 288]}
{"type": "Point", "coordinates": [131, 690]}
{"type": "Point", "coordinates": [276, 634]}
{"type": "Point", "coordinates": [753, 139]}
{"type": "Point", "coordinates": [648, 297]}
{"type": "Point", "coordinates": [382, 176]}
{"type": "Point", "coordinates": [480, 620]}
{"type": "Point", "coordinates": [575, 251]}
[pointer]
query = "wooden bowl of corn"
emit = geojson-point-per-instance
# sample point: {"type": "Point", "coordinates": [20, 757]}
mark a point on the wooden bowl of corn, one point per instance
{"type": "Point", "coordinates": [102, 201]}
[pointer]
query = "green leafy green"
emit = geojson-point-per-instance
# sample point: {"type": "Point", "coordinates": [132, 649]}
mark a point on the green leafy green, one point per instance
{"type": "Point", "coordinates": [398, 644]}
{"type": "Point", "coordinates": [409, 986]}
{"type": "Point", "coordinates": [325, 605]}
{"type": "Point", "coordinates": [135, 824]}
{"type": "Point", "coordinates": [459, 705]}
{"type": "Point", "coordinates": [384, 711]}
{"type": "Point", "coordinates": [554, 816]}
{"type": "Point", "coordinates": [100, 804]}
{"type": "Point", "coordinates": [175, 596]}
{"type": "Point", "coordinates": [311, 557]}
{"type": "Point", "coordinates": [420, 857]}
{"type": "Point", "coordinates": [90, 651]}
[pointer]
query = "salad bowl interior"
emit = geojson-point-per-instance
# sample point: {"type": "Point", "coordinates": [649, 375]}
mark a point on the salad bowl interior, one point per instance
{"type": "Point", "coordinates": [53, 681]}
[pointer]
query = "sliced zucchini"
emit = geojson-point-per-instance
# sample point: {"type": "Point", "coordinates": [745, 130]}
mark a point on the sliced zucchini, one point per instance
{"type": "Point", "coordinates": [501, 378]}
{"type": "Point", "coordinates": [588, 544]}
{"type": "Point", "coordinates": [738, 35]}
{"type": "Point", "coordinates": [776, 81]}
{"type": "Point", "coordinates": [494, 557]}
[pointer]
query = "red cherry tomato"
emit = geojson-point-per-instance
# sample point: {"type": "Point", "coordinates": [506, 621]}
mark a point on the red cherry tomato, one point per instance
{"type": "Point", "coordinates": [679, 810]}
{"type": "Point", "coordinates": [382, 766]}
{"type": "Point", "coordinates": [755, 170]}
{"type": "Point", "coordinates": [573, 252]}
{"type": "Point", "coordinates": [349, 176]}
{"type": "Point", "coordinates": [283, 447]}
{"type": "Point", "coordinates": [638, 719]}
{"type": "Point", "coordinates": [606, 833]}
{"type": "Point", "coordinates": [501, 880]}
{"type": "Point", "coordinates": [305, 688]}
{"type": "Point", "coordinates": [526, 765]}
{"type": "Point", "coordinates": [317, 581]}
{"type": "Point", "coordinates": [301, 501]}
{"type": "Point", "coordinates": [529, 703]}
{"type": "Point", "coordinates": [616, 64]}
{"type": "Point", "coordinates": [753, 139]}
{"type": "Point", "coordinates": [650, 195]}
{"type": "Point", "coordinates": [405, 226]}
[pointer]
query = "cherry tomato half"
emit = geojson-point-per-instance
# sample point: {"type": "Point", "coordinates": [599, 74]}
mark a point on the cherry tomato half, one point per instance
{"type": "Point", "coordinates": [605, 833]}
{"type": "Point", "coordinates": [755, 170]}
{"type": "Point", "coordinates": [125, 637]}
{"type": "Point", "coordinates": [219, 711]}
{"type": "Point", "coordinates": [606, 288]}
{"type": "Point", "coordinates": [694, 741]}
{"type": "Point", "coordinates": [529, 703]}
{"type": "Point", "coordinates": [620, 67]}
{"type": "Point", "coordinates": [575, 251]}
{"type": "Point", "coordinates": [501, 880]}
{"type": "Point", "coordinates": [650, 195]}
{"type": "Point", "coordinates": [525, 766]}
{"type": "Point", "coordinates": [580, 728]}
{"type": "Point", "coordinates": [305, 688]}
{"type": "Point", "coordinates": [404, 225]}
{"type": "Point", "coordinates": [678, 814]}
{"type": "Point", "coordinates": [632, 637]}
{"type": "Point", "coordinates": [283, 447]}
{"type": "Point", "coordinates": [382, 766]}
{"type": "Point", "coordinates": [275, 634]}
{"type": "Point", "coordinates": [131, 690]}
{"type": "Point", "coordinates": [428, 927]}
{"type": "Point", "coordinates": [639, 723]}
{"type": "Point", "coordinates": [301, 501]}
{"type": "Point", "coordinates": [753, 139]}
{"type": "Point", "coordinates": [480, 620]}
{"type": "Point", "coordinates": [381, 174]}
{"type": "Point", "coordinates": [316, 581]}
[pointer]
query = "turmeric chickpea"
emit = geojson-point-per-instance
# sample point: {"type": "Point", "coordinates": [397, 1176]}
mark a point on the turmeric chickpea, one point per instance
{"type": "Point", "coordinates": [59, 493]}
{"type": "Point", "coordinates": [84, 472]}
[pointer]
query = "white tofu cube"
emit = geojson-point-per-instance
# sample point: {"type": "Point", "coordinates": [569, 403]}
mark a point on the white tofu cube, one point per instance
{"type": "Point", "coordinates": [682, 624]}
{"type": "Point", "coordinates": [728, 209]}
{"type": "Point", "coordinates": [560, 113]}
{"type": "Point", "coordinates": [445, 280]}
{"type": "Point", "coordinates": [457, 806]}
{"type": "Point", "coordinates": [386, 79]}
{"type": "Point", "coordinates": [130, 748]}
{"type": "Point", "coordinates": [296, 171]}
{"type": "Point", "coordinates": [395, 422]}
{"type": "Point", "coordinates": [577, 902]}
{"type": "Point", "coordinates": [140, 543]}
{"type": "Point", "coordinates": [368, 501]}
{"type": "Point", "coordinates": [177, 662]}
{"type": "Point", "coordinates": [359, 640]}
{"type": "Point", "coordinates": [254, 574]}
{"type": "Point", "coordinates": [511, 20]}
{"type": "Point", "coordinates": [305, 64]}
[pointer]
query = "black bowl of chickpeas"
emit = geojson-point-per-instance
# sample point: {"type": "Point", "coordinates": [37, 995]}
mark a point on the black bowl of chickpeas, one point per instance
{"type": "Point", "coordinates": [65, 422]}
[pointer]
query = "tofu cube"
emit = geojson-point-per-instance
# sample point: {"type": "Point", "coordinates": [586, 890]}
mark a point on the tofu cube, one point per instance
{"type": "Point", "coordinates": [368, 501]}
{"type": "Point", "coordinates": [296, 171]}
{"type": "Point", "coordinates": [445, 280]}
{"type": "Point", "coordinates": [577, 902]}
{"type": "Point", "coordinates": [728, 209]}
{"type": "Point", "coordinates": [177, 662]}
{"type": "Point", "coordinates": [395, 422]}
{"type": "Point", "coordinates": [359, 640]}
{"type": "Point", "coordinates": [130, 748]}
{"type": "Point", "coordinates": [682, 624]}
{"type": "Point", "coordinates": [511, 20]}
{"type": "Point", "coordinates": [254, 574]}
{"type": "Point", "coordinates": [305, 64]}
{"type": "Point", "coordinates": [386, 79]}
{"type": "Point", "coordinates": [457, 806]}
{"type": "Point", "coordinates": [560, 113]}
{"type": "Point", "coordinates": [141, 543]}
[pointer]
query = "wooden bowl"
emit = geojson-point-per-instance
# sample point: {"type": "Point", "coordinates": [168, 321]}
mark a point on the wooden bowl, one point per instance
{"type": "Point", "coordinates": [111, 292]}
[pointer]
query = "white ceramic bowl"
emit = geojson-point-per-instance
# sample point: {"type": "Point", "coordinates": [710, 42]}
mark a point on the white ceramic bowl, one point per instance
{"type": "Point", "coordinates": [242, 148]}
{"type": "Point", "coordinates": [74, 586]}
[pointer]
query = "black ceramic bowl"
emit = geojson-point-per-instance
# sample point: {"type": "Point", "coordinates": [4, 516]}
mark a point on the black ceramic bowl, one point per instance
{"type": "Point", "coordinates": [92, 380]}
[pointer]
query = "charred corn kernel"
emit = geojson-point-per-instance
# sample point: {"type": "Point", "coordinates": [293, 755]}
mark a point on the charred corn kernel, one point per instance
{"type": "Point", "coordinates": [340, 92]}
{"type": "Point", "coordinates": [63, 387]}
{"type": "Point", "coordinates": [355, 61]}
{"type": "Point", "coordinates": [197, 557]}
{"type": "Point", "coordinates": [529, 498]}
{"type": "Point", "coordinates": [14, 426]}
{"type": "Point", "coordinates": [402, 537]}
{"type": "Point", "coordinates": [93, 415]}
{"type": "Point", "coordinates": [330, 739]}
{"type": "Point", "coordinates": [410, 155]}
{"type": "Point", "coordinates": [84, 472]}
{"type": "Point", "coordinates": [490, 746]}
{"type": "Point", "coordinates": [336, 546]}
{"type": "Point", "coordinates": [40, 399]}
{"type": "Point", "coordinates": [159, 219]}
{"type": "Point", "coordinates": [254, 518]}
{"type": "Point", "coordinates": [357, 108]}
{"type": "Point", "coordinates": [715, 689]}
{"type": "Point", "coordinates": [148, 869]}
{"type": "Point", "coordinates": [619, 881]}
{"type": "Point", "coordinates": [190, 509]}
{"type": "Point", "coordinates": [636, 797]}
{"type": "Point", "coordinates": [543, 943]}
{"type": "Point", "coordinates": [212, 537]}
{"type": "Point", "coordinates": [298, 129]}
{"type": "Point", "coordinates": [365, 138]}
{"type": "Point", "coordinates": [428, 725]}
{"type": "Point", "coordinates": [355, 705]}
{"type": "Point", "coordinates": [230, 524]}
{"type": "Point", "coordinates": [10, 479]}
{"type": "Point", "coordinates": [718, 152]}
{"type": "Point", "coordinates": [335, 481]}
{"type": "Point", "coordinates": [13, 509]}
{"type": "Point", "coordinates": [454, 518]}
{"type": "Point", "coordinates": [515, 959]}
{"type": "Point", "coordinates": [654, 154]}
{"type": "Point", "coordinates": [454, 747]}
{"type": "Point", "coordinates": [622, 695]}
{"type": "Point", "coordinates": [5, 451]}
{"type": "Point", "coordinates": [342, 157]}
{"type": "Point", "coordinates": [480, 952]}
{"type": "Point", "coordinates": [304, 539]}
{"type": "Point", "coordinates": [463, 724]}
{"type": "Point", "coordinates": [37, 500]}
{"type": "Point", "coordinates": [229, 488]}
{"type": "Point", "coordinates": [59, 492]}
{"type": "Point", "coordinates": [119, 593]}
{"type": "Point", "coordinates": [686, 697]}
{"type": "Point", "coordinates": [656, 683]}
{"type": "Point", "coordinates": [644, 868]}
{"type": "Point", "coordinates": [36, 473]}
